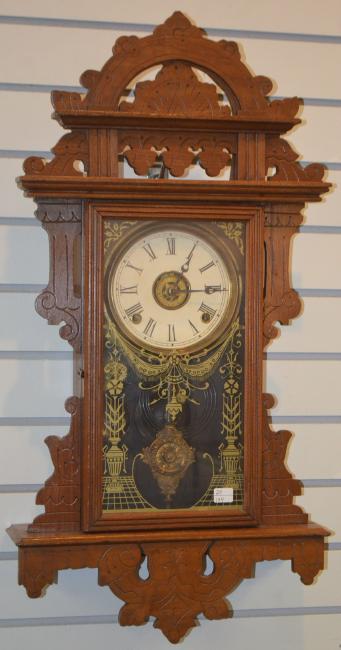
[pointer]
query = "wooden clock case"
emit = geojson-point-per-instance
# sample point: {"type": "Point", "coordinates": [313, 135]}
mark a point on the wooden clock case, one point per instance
{"type": "Point", "coordinates": [177, 119]}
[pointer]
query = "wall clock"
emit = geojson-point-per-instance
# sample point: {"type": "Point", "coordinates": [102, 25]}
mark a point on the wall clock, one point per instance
{"type": "Point", "coordinates": [169, 288]}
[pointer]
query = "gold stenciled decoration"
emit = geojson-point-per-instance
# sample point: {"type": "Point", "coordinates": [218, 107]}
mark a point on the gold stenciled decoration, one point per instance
{"type": "Point", "coordinates": [175, 371]}
{"type": "Point", "coordinates": [113, 231]}
{"type": "Point", "coordinates": [231, 424]}
{"type": "Point", "coordinates": [234, 231]}
{"type": "Point", "coordinates": [120, 490]}
{"type": "Point", "coordinates": [230, 474]}
{"type": "Point", "coordinates": [114, 417]}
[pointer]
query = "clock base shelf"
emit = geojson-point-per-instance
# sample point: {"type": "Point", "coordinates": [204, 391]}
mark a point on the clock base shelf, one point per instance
{"type": "Point", "coordinates": [176, 565]}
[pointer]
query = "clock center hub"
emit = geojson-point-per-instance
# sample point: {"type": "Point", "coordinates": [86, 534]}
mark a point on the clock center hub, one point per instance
{"type": "Point", "coordinates": [171, 290]}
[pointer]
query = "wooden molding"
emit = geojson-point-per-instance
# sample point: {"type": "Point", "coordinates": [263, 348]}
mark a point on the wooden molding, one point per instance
{"type": "Point", "coordinates": [176, 568]}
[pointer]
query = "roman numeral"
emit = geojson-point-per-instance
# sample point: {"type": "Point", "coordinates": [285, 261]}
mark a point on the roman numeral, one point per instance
{"type": "Point", "coordinates": [207, 266]}
{"type": "Point", "coordinates": [149, 329]}
{"type": "Point", "coordinates": [195, 330]}
{"type": "Point", "coordinates": [149, 251]}
{"type": "Point", "coordinates": [134, 309]}
{"type": "Point", "coordinates": [136, 268]}
{"type": "Point", "coordinates": [207, 310]}
{"type": "Point", "coordinates": [132, 289]}
{"type": "Point", "coordinates": [171, 246]}
{"type": "Point", "coordinates": [171, 333]}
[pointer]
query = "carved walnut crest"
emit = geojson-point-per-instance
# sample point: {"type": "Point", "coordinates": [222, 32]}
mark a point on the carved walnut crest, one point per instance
{"type": "Point", "coordinates": [176, 91]}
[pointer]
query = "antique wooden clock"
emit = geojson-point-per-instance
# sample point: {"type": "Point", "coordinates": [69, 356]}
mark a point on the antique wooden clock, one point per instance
{"type": "Point", "coordinates": [169, 284]}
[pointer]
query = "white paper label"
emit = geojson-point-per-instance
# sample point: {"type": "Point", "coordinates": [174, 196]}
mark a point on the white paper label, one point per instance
{"type": "Point", "coordinates": [223, 495]}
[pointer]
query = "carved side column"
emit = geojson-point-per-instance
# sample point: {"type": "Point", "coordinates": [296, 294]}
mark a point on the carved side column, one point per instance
{"type": "Point", "coordinates": [103, 152]}
{"type": "Point", "coordinates": [61, 299]}
{"type": "Point", "coordinates": [281, 302]}
{"type": "Point", "coordinates": [251, 157]}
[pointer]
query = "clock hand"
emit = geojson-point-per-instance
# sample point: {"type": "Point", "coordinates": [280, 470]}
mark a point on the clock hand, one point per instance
{"type": "Point", "coordinates": [186, 263]}
{"type": "Point", "coordinates": [207, 289]}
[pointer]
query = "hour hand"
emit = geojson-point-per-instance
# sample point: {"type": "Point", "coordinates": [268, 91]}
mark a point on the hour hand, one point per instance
{"type": "Point", "coordinates": [187, 261]}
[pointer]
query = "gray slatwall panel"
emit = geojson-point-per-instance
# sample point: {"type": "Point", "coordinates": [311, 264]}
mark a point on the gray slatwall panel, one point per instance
{"type": "Point", "coordinates": [8, 556]}
{"type": "Point", "coordinates": [148, 27]}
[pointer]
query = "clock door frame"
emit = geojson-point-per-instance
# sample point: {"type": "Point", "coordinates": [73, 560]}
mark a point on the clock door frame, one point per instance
{"type": "Point", "coordinates": [93, 518]}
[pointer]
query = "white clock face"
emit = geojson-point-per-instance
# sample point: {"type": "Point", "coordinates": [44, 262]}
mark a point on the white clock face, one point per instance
{"type": "Point", "coordinates": [171, 289]}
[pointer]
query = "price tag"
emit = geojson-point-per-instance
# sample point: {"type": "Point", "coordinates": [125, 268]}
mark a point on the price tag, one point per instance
{"type": "Point", "coordinates": [223, 495]}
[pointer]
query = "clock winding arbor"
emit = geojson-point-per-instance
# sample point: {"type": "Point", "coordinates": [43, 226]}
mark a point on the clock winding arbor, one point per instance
{"type": "Point", "coordinates": [169, 289]}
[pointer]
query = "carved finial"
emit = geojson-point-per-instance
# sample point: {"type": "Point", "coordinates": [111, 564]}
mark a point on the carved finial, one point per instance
{"type": "Point", "coordinates": [178, 25]}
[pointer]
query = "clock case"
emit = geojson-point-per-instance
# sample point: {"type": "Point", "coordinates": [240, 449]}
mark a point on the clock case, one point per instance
{"type": "Point", "coordinates": [249, 360]}
{"type": "Point", "coordinates": [204, 107]}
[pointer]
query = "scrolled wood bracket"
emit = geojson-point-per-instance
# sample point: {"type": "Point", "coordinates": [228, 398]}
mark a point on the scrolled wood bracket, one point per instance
{"type": "Point", "coordinates": [35, 574]}
{"type": "Point", "coordinates": [70, 150]}
{"type": "Point", "coordinates": [177, 589]}
{"type": "Point", "coordinates": [61, 492]}
{"type": "Point", "coordinates": [281, 301]}
{"type": "Point", "coordinates": [279, 487]}
{"type": "Point", "coordinates": [61, 299]}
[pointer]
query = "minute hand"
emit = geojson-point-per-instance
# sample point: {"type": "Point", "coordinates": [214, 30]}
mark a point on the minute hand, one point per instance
{"type": "Point", "coordinates": [205, 290]}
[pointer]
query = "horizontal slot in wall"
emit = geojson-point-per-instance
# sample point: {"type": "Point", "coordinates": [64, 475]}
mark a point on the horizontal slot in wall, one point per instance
{"type": "Point", "coordinates": [82, 50]}
{"type": "Point", "coordinates": [34, 388]}
{"type": "Point", "coordinates": [313, 452]}
{"type": "Point", "coordinates": [299, 21]}
{"type": "Point", "coordinates": [289, 631]}
{"type": "Point", "coordinates": [44, 384]}
{"type": "Point", "coordinates": [18, 265]}
{"type": "Point", "coordinates": [305, 335]}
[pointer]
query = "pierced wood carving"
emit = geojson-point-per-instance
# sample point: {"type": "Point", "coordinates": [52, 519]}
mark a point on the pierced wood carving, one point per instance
{"type": "Point", "coordinates": [279, 487]}
{"type": "Point", "coordinates": [281, 156]}
{"type": "Point", "coordinates": [204, 107]}
{"type": "Point", "coordinates": [177, 590]}
{"type": "Point", "coordinates": [176, 90]}
{"type": "Point", "coordinates": [177, 40]}
{"type": "Point", "coordinates": [176, 151]}
{"type": "Point", "coordinates": [61, 492]}
{"type": "Point", "coordinates": [71, 149]}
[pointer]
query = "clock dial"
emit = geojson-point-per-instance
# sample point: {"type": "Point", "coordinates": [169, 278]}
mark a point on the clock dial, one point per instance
{"type": "Point", "coordinates": [172, 289]}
